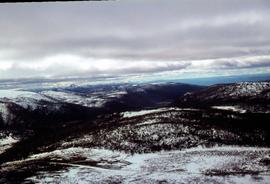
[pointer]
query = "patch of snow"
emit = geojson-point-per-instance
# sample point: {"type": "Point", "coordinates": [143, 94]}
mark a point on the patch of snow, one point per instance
{"type": "Point", "coordinates": [98, 155]}
{"type": "Point", "coordinates": [148, 122]}
{"type": "Point", "coordinates": [115, 94]}
{"type": "Point", "coordinates": [187, 166]}
{"type": "Point", "coordinates": [6, 142]}
{"type": "Point", "coordinates": [25, 99]}
{"type": "Point", "coordinates": [129, 114]}
{"type": "Point", "coordinates": [73, 98]}
{"type": "Point", "coordinates": [4, 112]}
{"type": "Point", "coordinates": [14, 93]}
{"type": "Point", "coordinates": [230, 108]}
{"type": "Point", "coordinates": [245, 88]}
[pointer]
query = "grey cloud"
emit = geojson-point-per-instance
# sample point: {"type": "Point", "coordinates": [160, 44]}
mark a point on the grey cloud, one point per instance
{"type": "Point", "coordinates": [82, 69]}
{"type": "Point", "coordinates": [245, 64]}
{"type": "Point", "coordinates": [133, 31]}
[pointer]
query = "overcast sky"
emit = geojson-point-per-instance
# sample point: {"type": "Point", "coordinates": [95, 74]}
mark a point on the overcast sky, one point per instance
{"type": "Point", "coordinates": [198, 37]}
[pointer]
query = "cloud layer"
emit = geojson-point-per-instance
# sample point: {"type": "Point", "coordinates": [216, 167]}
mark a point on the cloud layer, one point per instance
{"type": "Point", "coordinates": [127, 37]}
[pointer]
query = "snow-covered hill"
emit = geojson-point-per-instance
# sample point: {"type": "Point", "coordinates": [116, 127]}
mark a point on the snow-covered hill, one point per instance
{"type": "Point", "coordinates": [242, 89]}
{"type": "Point", "coordinates": [251, 96]}
{"type": "Point", "coordinates": [110, 98]}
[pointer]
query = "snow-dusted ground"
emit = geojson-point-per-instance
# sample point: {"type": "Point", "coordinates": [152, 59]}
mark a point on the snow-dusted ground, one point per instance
{"type": "Point", "coordinates": [25, 99]}
{"type": "Point", "coordinates": [250, 88]}
{"type": "Point", "coordinates": [32, 100]}
{"type": "Point", "coordinates": [129, 114]}
{"type": "Point", "coordinates": [14, 93]}
{"type": "Point", "coordinates": [224, 164]}
{"type": "Point", "coordinates": [6, 141]}
{"type": "Point", "coordinates": [4, 112]}
{"type": "Point", "coordinates": [75, 99]}
{"type": "Point", "coordinates": [243, 89]}
{"type": "Point", "coordinates": [230, 108]}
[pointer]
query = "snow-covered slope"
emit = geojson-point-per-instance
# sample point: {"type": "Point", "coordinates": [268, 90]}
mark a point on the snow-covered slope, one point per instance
{"type": "Point", "coordinates": [6, 141]}
{"type": "Point", "coordinates": [73, 98]}
{"type": "Point", "coordinates": [4, 111]}
{"type": "Point", "coordinates": [15, 101]}
{"type": "Point", "coordinates": [110, 97]}
{"type": "Point", "coordinates": [198, 165]}
{"type": "Point", "coordinates": [242, 89]}
{"type": "Point", "coordinates": [25, 99]}
{"type": "Point", "coordinates": [251, 96]}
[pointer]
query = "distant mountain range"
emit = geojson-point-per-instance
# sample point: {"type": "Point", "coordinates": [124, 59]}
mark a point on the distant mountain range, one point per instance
{"type": "Point", "coordinates": [38, 106]}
